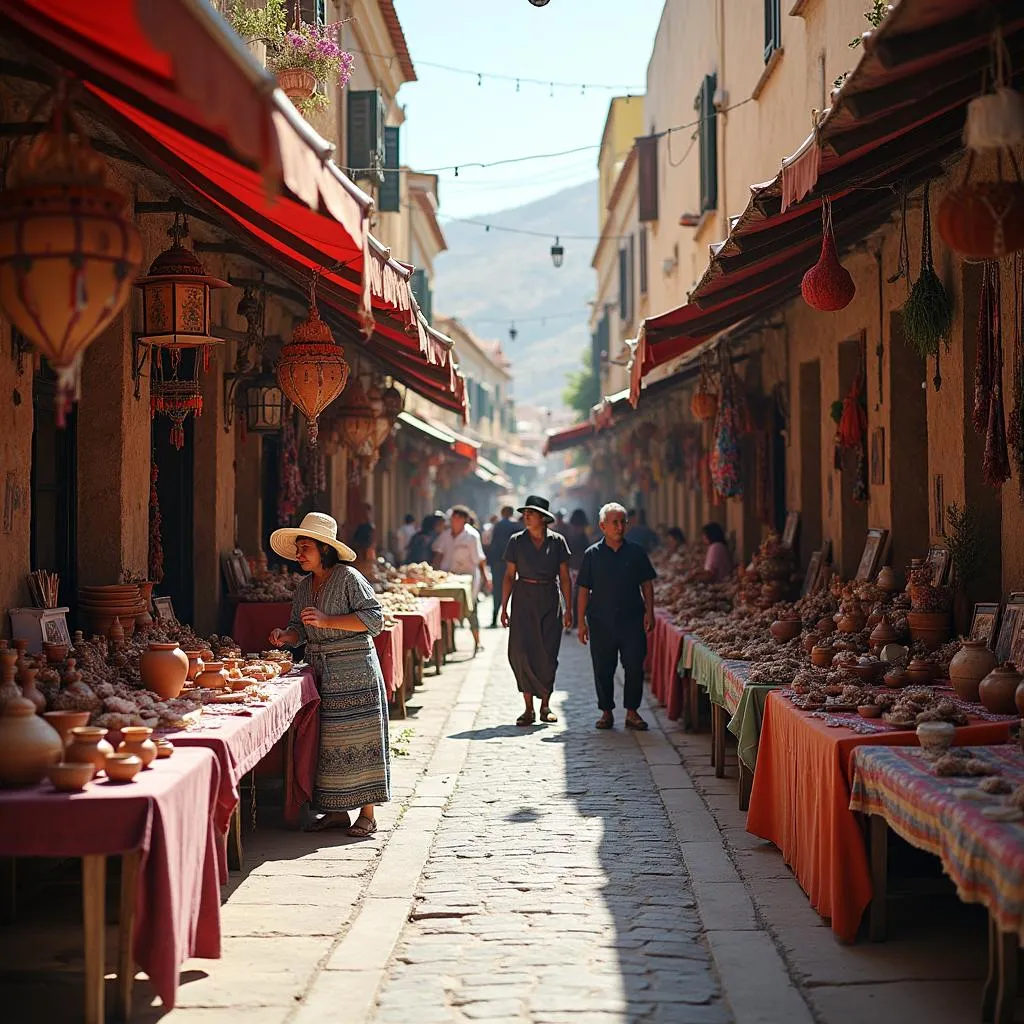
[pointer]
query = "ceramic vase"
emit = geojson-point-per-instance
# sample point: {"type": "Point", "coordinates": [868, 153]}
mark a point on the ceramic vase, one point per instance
{"type": "Point", "coordinates": [998, 690]}
{"type": "Point", "coordinates": [88, 745]}
{"type": "Point", "coordinates": [65, 721]}
{"type": "Point", "coordinates": [71, 674]}
{"type": "Point", "coordinates": [887, 580]}
{"type": "Point", "coordinates": [882, 634]}
{"type": "Point", "coordinates": [195, 665]}
{"type": "Point", "coordinates": [8, 674]}
{"type": "Point", "coordinates": [137, 740]}
{"type": "Point", "coordinates": [27, 680]}
{"type": "Point", "coordinates": [969, 666]}
{"type": "Point", "coordinates": [213, 677]}
{"type": "Point", "coordinates": [164, 669]}
{"type": "Point", "coordinates": [144, 620]}
{"type": "Point", "coordinates": [28, 745]}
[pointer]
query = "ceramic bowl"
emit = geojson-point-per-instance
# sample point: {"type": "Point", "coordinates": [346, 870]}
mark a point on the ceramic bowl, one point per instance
{"type": "Point", "coordinates": [935, 737]}
{"type": "Point", "coordinates": [70, 776]}
{"type": "Point", "coordinates": [123, 767]}
{"type": "Point", "coordinates": [895, 679]}
{"type": "Point", "coordinates": [920, 673]}
{"type": "Point", "coordinates": [869, 672]}
{"type": "Point", "coordinates": [164, 748]}
{"type": "Point", "coordinates": [869, 711]}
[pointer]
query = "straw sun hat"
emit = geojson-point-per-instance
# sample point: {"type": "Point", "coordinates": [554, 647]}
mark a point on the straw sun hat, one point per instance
{"type": "Point", "coordinates": [317, 526]}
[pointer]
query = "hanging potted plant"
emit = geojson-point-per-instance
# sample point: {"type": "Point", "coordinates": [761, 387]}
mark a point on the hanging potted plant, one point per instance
{"type": "Point", "coordinates": [306, 57]}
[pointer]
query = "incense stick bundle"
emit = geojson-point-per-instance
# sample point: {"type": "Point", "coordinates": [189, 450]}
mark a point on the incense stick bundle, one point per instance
{"type": "Point", "coordinates": [44, 587]}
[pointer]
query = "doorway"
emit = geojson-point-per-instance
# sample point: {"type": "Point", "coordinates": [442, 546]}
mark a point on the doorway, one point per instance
{"type": "Point", "coordinates": [174, 488]}
{"type": "Point", "coordinates": [810, 459]}
{"type": "Point", "coordinates": [854, 513]}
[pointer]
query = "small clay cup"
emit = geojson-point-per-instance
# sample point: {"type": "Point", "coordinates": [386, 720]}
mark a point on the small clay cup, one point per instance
{"type": "Point", "coordinates": [123, 767]}
{"type": "Point", "coordinates": [785, 630]}
{"type": "Point", "coordinates": [55, 653]}
{"type": "Point", "coordinates": [822, 657]}
{"type": "Point", "coordinates": [70, 776]}
{"type": "Point", "coordinates": [869, 711]}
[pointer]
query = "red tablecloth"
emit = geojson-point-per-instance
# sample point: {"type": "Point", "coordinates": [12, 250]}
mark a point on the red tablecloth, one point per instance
{"type": "Point", "coordinates": [664, 652]}
{"type": "Point", "coordinates": [391, 652]}
{"type": "Point", "coordinates": [451, 610]}
{"type": "Point", "coordinates": [241, 741]}
{"type": "Point", "coordinates": [423, 628]}
{"type": "Point", "coordinates": [255, 619]}
{"type": "Point", "coordinates": [801, 803]}
{"type": "Point", "coordinates": [166, 813]}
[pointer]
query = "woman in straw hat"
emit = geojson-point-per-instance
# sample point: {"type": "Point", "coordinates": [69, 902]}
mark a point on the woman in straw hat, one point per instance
{"type": "Point", "coordinates": [536, 567]}
{"type": "Point", "coordinates": [335, 613]}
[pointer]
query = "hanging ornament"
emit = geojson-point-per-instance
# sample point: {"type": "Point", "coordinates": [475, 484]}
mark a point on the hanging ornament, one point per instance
{"type": "Point", "coordinates": [988, 316]}
{"type": "Point", "coordinates": [312, 370]}
{"type": "Point", "coordinates": [827, 286]}
{"type": "Point", "coordinates": [68, 254]}
{"type": "Point", "coordinates": [174, 396]}
{"type": "Point", "coordinates": [928, 311]}
{"type": "Point", "coordinates": [291, 492]}
{"type": "Point", "coordinates": [995, 462]}
{"type": "Point", "coordinates": [1015, 426]}
{"type": "Point", "coordinates": [996, 120]}
{"type": "Point", "coordinates": [704, 403]}
{"type": "Point", "coordinates": [156, 544]}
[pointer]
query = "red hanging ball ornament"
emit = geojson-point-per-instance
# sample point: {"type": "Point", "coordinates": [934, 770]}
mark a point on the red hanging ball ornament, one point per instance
{"type": "Point", "coordinates": [827, 286]}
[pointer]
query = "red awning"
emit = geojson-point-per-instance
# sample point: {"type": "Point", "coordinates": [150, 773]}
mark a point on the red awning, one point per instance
{"type": "Point", "coordinates": [898, 116]}
{"type": "Point", "coordinates": [568, 437]}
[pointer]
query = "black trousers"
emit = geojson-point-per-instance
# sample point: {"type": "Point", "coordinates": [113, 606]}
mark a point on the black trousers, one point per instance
{"type": "Point", "coordinates": [611, 642]}
{"type": "Point", "coordinates": [497, 577]}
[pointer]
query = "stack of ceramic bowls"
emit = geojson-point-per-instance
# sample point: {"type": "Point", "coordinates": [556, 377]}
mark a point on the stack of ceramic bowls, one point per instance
{"type": "Point", "coordinates": [99, 606]}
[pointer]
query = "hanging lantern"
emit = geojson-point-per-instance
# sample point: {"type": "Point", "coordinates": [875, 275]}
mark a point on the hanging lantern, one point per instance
{"type": "Point", "coordinates": [393, 402]}
{"type": "Point", "coordinates": [264, 405]}
{"type": "Point", "coordinates": [385, 424]}
{"type": "Point", "coordinates": [67, 253]}
{"type": "Point", "coordinates": [176, 296]}
{"type": "Point", "coordinates": [357, 422]}
{"type": "Point", "coordinates": [176, 398]}
{"type": "Point", "coordinates": [312, 370]}
{"type": "Point", "coordinates": [983, 220]}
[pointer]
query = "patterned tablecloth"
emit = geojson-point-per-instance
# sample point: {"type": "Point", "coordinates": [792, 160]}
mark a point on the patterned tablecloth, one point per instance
{"type": "Point", "coordinates": [984, 858]}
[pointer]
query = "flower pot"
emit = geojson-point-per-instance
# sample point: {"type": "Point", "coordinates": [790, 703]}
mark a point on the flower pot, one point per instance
{"type": "Point", "coordinates": [969, 666]}
{"type": "Point", "coordinates": [998, 690]}
{"type": "Point", "coordinates": [136, 739]}
{"type": "Point", "coordinates": [297, 83]}
{"type": "Point", "coordinates": [213, 677]}
{"type": "Point", "coordinates": [88, 744]}
{"type": "Point", "coordinates": [28, 745]}
{"type": "Point", "coordinates": [930, 628]}
{"type": "Point", "coordinates": [164, 668]}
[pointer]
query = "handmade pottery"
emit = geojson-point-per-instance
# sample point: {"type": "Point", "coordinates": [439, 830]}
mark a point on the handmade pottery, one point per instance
{"type": "Point", "coordinates": [28, 745]}
{"type": "Point", "coordinates": [213, 677]}
{"type": "Point", "coordinates": [894, 653]}
{"type": "Point", "coordinates": [71, 674]}
{"type": "Point", "coordinates": [55, 653]}
{"type": "Point", "coordinates": [144, 620]}
{"type": "Point", "coordinates": [822, 656]}
{"type": "Point", "coordinates": [88, 744]}
{"type": "Point", "coordinates": [825, 625]}
{"type": "Point", "coordinates": [164, 668]}
{"type": "Point", "coordinates": [887, 580]}
{"type": "Point", "coordinates": [869, 710]}
{"type": "Point", "coordinates": [70, 777]}
{"type": "Point", "coordinates": [935, 737]}
{"type": "Point", "coordinates": [931, 628]}
{"type": "Point", "coordinates": [116, 633]}
{"type": "Point", "coordinates": [8, 675]}
{"type": "Point", "coordinates": [969, 666]}
{"type": "Point", "coordinates": [895, 679]}
{"type": "Point", "coordinates": [785, 630]}
{"type": "Point", "coordinates": [882, 634]}
{"type": "Point", "coordinates": [195, 665]}
{"type": "Point", "coordinates": [850, 623]}
{"type": "Point", "coordinates": [869, 671]}
{"type": "Point", "coordinates": [122, 767]}
{"type": "Point", "coordinates": [920, 672]}
{"type": "Point", "coordinates": [998, 690]}
{"type": "Point", "coordinates": [65, 721]}
{"type": "Point", "coordinates": [164, 748]}
{"type": "Point", "coordinates": [27, 681]}
{"type": "Point", "coordinates": [811, 640]}
{"type": "Point", "coordinates": [136, 739]}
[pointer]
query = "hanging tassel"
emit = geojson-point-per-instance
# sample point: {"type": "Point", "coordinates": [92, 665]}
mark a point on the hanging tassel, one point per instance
{"type": "Point", "coordinates": [982, 362]}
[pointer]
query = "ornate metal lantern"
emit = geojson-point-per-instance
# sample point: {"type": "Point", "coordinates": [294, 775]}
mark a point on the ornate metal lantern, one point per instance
{"type": "Point", "coordinates": [312, 370]}
{"type": "Point", "coordinates": [68, 255]}
{"type": "Point", "coordinates": [264, 405]}
{"type": "Point", "coordinates": [358, 422]}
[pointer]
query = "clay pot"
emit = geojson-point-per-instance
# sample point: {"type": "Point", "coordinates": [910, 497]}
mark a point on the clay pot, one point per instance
{"type": "Point", "coordinates": [822, 656]}
{"type": "Point", "coordinates": [87, 744]}
{"type": "Point", "coordinates": [882, 634]}
{"type": "Point", "coordinates": [164, 668]}
{"type": "Point", "coordinates": [144, 620]}
{"type": "Point", "coordinates": [65, 721]}
{"type": "Point", "coordinates": [164, 748]}
{"type": "Point", "coordinates": [55, 653]}
{"type": "Point", "coordinates": [297, 83]}
{"type": "Point", "coordinates": [825, 625]}
{"type": "Point", "coordinates": [28, 745]}
{"type": "Point", "coordinates": [869, 710]}
{"type": "Point", "coordinates": [869, 672]}
{"type": "Point", "coordinates": [935, 737]}
{"type": "Point", "coordinates": [887, 581]}
{"type": "Point", "coordinates": [8, 673]}
{"type": "Point", "coordinates": [27, 681]}
{"type": "Point", "coordinates": [920, 673]}
{"type": "Point", "coordinates": [895, 679]}
{"type": "Point", "coordinates": [71, 674]}
{"type": "Point", "coordinates": [68, 777]}
{"type": "Point", "coordinates": [213, 677]}
{"type": "Point", "coordinates": [195, 665]}
{"type": "Point", "coordinates": [998, 690]}
{"type": "Point", "coordinates": [930, 628]}
{"type": "Point", "coordinates": [136, 739]}
{"type": "Point", "coordinates": [969, 666]}
{"type": "Point", "coordinates": [811, 640]}
{"type": "Point", "coordinates": [785, 630]}
{"type": "Point", "coordinates": [850, 623]}
{"type": "Point", "coordinates": [206, 654]}
{"type": "Point", "coordinates": [122, 767]}
{"type": "Point", "coordinates": [116, 633]}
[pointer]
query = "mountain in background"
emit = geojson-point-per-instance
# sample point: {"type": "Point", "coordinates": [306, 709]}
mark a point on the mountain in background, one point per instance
{"type": "Point", "coordinates": [489, 279]}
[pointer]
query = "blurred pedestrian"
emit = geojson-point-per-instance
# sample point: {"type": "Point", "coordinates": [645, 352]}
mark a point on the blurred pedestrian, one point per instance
{"type": "Point", "coordinates": [578, 538]}
{"type": "Point", "coordinates": [501, 534]}
{"type": "Point", "coordinates": [421, 547]}
{"type": "Point", "coordinates": [640, 533]}
{"type": "Point", "coordinates": [405, 533]}
{"type": "Point", "coordinates": [717, 560]}
{"type": "Point", "coordinates": [459, 550]}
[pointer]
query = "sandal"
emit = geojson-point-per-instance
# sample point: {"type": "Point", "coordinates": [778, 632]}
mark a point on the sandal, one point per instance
{"type": "Point", "coordinates": [333, 819]}
{"type": "Point", "coordinates": [634, 721]}
{"type": "Point", "coordinates": [526, 718]}
{"type": "Point", "coordinates": [606, 721]}
{"type": "Point", "coordinates": [358, 831]}
{"type": "Point", "coordinates": [547, 715]}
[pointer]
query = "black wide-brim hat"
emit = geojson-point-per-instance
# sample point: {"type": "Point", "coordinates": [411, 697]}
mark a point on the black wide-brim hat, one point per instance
{"type": "Point", "coordinates": [535, 503]}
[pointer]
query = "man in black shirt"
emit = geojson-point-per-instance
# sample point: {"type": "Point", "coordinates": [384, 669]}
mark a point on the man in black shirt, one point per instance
{"type": "Point", "coordinates": [504, 528]}
{"type": "Point", "coordinates": [616, 612]}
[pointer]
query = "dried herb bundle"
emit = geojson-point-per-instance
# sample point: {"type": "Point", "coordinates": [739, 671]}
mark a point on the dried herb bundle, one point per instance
{"type": "Point", "coordinates": [928, 311]}
{"type": "Point", "coordinates": [1015, 425]}
{"type": "Point", "coordinates": [965, 540]}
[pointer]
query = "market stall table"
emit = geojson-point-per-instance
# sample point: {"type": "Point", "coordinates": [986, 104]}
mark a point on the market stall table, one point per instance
{"type": "Point", "coordinates": [422, 634]}
{"type": "Point", "coordinates": [456, 597]}
{"type": "Point", "coordinates": [391, 654]}
{"type": "Point", "coordinates": [162, 825]}
{"type": "Point", "coordinates": [665, 651]}
{"type": "Point", "coordinates": [801, 800]}
{"type": "Point", "coordinates": [899, 789]}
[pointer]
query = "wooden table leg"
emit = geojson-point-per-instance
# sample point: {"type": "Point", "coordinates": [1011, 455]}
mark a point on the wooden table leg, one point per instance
{"type": "Point", "coordinates": [235, 838]}
{"type": "Point", "coordinates": [694, 704]}
{"type": "Point", "coordinates": [94, 884]}
{"type": "Point", "coordinates": [398, 703]}
{"type": "Point", "coordinates": [718, 738]}
{"type": "Point", "coordinates": [714, 745]}
{"type": "Point", "coordinates": [417, 669]}
{"type": "Point", "coordinates": [1006, 990]}
{"type": "Point", "coordinates": [289, 762]}
{"type": "Point", "coordinates": [125, 929]}
{"type": "Point", "coordinates": [988, 993]}
{"type": "Point", "coordinates": [408, 677]}
{"type": "Point", "coordinates": [684, 689]}
{"type": "Point", "coordinates": [879, 845]}
{"type": "Point", "coordinates": [746, 785]}
{"type": "Point", "coordinates": [438, 657]}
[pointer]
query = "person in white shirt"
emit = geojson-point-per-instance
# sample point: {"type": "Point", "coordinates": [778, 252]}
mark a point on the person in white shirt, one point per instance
{"type": "Point", "coordinates": [405, 532]}
{"type": "Point", "coordinates": [460, 551]}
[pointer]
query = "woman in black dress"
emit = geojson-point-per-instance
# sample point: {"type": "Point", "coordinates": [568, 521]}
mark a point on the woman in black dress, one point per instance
{"type": "Point", "coordinates": [536, 567]}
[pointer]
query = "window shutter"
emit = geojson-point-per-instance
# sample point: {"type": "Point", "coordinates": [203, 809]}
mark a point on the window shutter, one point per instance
{"type": "Point", "coordinates": [708, 135]}
{"type": "Point", "coordinates": [623, 285]}
{"type": "Point", "coordinates": [603, 337]}
{"type": "Point", "coordinates": [647, 177]}
{"type": "Point", "coordinates": [390, 198]}
{"type": "Point", "coordinates": [642, 244]}
{"type": "Point", "coordinates": [772, 28]}
{"type": "Point", "coordinates": [366, 135]}
{"type": "Point", "coordinates": [312, 12]}
{"type": "Point", "coordinates": [631, 275]}
{"type": "Point", "coordinates": [420, 286]}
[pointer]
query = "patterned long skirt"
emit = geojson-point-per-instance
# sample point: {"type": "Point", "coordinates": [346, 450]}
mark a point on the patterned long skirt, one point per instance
{"type": "Point", "coordinates": [354, 766]}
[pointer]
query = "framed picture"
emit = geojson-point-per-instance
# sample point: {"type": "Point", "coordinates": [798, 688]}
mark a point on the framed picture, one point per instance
{"type": "Point", "coordinates": [789, 531]}
{"type": "Point", "coordinates": [1010, 632]}
{"type": "Point", "coordinates": [874, 550]}
{"type": "Point", "coordinates": [939, 559]}
{"type": "Point", "coordinates": [812, 574]}
{"type": "Point", "coordinates": [984, 622]}
{"type": "Point", "coordinates": [164, 610]}
{"type": "Point", "coordinates": [236, 571]}
{"type": "Point", "coordinates": [878, 455]}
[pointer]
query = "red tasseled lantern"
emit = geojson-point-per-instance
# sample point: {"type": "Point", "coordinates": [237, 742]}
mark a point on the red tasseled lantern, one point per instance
{"type": "Point", "coordinates": [827, 286]}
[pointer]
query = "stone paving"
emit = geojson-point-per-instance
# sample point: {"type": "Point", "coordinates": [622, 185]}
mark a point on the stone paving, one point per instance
{"type": "Point", "coordinates": [555, 889]}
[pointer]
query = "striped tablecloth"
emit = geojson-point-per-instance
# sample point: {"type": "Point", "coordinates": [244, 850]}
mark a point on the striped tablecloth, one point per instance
{"type": "Point", "coordinates": [984, 858]}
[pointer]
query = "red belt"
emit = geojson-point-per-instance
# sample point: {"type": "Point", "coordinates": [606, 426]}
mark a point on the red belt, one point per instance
{"type": "Point", "coordinates": [523, 579]}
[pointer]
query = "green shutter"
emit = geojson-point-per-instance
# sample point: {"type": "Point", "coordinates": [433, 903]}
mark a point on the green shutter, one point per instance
{"type": "Point", "coordinates": [772, 28]}
{"type": "Point", "coordinates": [366, 135]}
{"type": "Point", "coordinates": [708, 135]}
{"type": "Point", "coordinates": [389, 199]}
{"type": "Point", "coordinates": [421, 290]}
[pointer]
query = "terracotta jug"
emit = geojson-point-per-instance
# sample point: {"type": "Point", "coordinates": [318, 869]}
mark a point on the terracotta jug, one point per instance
{"type": "Point", "coordinates": [164, 668]}
{"type": "Point", "coordinates": [116, 633]}
{"type": "Point", "coordinates": [71, 674]}
{"type": "Point", "coordinates": [8, 674]}
{"type": "Point", "coordinates": [27, 680]}
{"type": "Point", "coordinates": [144, 620]}
{"type": "Point", "coordinates": [65, 721]}
{"type": "Point", "coordinates": [136, 739]}
{"type": "Point", "coordinates": [883, 633]}
{"type": "Point", "coordinates": [195, 665]}
{"type": "Point", "coordinates": [969, 666]}
{"type": "Point", "coordinates": [887, 580]}
{"type": "Point", "coordinates": [998, 690]}
{"type": "Point", "coordinates": [87, 744]}
{"type": "Point", "coordinates": [28, 745]}
{"type": "Point", "coordinates": [213, 677]}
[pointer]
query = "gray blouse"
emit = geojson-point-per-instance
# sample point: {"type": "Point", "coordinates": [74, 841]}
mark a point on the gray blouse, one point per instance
{"type": "Point", "coordinates": [346, 592]}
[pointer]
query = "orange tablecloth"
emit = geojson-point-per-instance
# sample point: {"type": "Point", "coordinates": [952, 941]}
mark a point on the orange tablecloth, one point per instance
{"type": "Point", "coordinates": [801, 802]}
{"type": "Point", "coordinates": [665, 651]}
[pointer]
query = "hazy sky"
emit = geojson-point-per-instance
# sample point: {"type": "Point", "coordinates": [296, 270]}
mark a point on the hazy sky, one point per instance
{"type": "Point", "coordinates": [451, 119]}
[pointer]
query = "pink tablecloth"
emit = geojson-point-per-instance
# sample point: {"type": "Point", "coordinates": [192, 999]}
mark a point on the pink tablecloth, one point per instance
{"type": "Point", "coordinates": [664, 652]}
{"type": "Point", "coordinates": [255, 619]}
{"type": "Point", "coordinates": [166, 814]}
{"type": "Point", "coordinates": [422, 629]}
{"type": "Point", "coordinates": [241, 741]}
{"type": "Point", "coordinates": [391, 652]}
{"type": "Point", "coordinates": [451, 610]}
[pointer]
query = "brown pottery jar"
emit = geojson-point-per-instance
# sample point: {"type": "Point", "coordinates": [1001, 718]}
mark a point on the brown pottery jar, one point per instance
{"type": "Point", "coordinates": [998, 690]}
{"type": "Point", "coordinates": [137, 740]}
{"type": "Point", "coordinates": [164, 668]}
{"type": "Point", "coordinates": [87, 744]}
{"type": "Point", "coordinates": [969, 666]}
{"type": "Point", "coordinates": [28, 745]}
{"type": "Point", "coordinates": [195, 665]}
{"type": "Point", "coordinates": [213, 677]}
